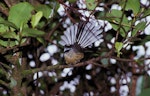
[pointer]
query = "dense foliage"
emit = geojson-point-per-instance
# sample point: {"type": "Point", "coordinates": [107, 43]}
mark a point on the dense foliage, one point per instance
{"type": "Point", "coordinates": [31, 59]}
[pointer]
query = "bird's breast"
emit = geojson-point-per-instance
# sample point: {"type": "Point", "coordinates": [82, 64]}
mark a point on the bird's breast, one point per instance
{"type": "Point", "coordinates": [72, 57]}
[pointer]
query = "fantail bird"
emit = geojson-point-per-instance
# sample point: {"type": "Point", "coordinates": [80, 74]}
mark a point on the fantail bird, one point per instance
{"type": "Point", "coordinates": [77, 37]}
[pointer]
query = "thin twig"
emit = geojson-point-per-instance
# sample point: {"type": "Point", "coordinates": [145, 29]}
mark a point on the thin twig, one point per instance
{"type": "Point", "coordinates": [8, 3]}
{"type": "Point", "coordinates": [121, 19]}
{"type": "Point", "coordinates": [4, 83]}
{"type": "Point", "coordinates": [47, 37]}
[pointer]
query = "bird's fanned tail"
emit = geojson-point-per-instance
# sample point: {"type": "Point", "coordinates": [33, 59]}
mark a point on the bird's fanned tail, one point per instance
{"type": "Point", "coordinates": [84, 34]}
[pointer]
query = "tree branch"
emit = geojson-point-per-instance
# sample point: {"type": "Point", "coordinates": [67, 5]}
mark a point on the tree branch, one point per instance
{"type": "Point", "coordinates": [58, 66]}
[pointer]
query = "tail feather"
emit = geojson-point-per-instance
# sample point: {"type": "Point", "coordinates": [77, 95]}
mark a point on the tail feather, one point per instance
{"type": "Point", "coordinates": [73, 32]}
{"type": "Point", "coordinates": [64, 39]}
{"type": "Point", "coordinates": [80, 30]}
{"type": "Point", "coordinates": [84, 34]}
{"type": "Point", "coordinates": [67, 34]}
{"type": "Point", "coordinates": [69, 37]}
{"type": "Point", "coordinates": [89, 35]}
{"type": "Point", "coordinates": [90, 41]}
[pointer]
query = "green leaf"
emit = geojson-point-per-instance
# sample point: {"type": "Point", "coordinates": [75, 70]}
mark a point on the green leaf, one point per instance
{"type": "Point", "coordinates": [139, 27]}
{"type": "Point", "coordinates": [133, 5]}
{"type": "Point", "coordinates": [91, 4]}
{"type": "Point", "coordinates": [31, 32]}
{"type": "Point", "coordinates": [122, 31]}
{"type": "Point", "coordinates": [19, 14]}
{"type": "Point", "coordinates": [145, 92]}
{"type": "Point", "coordinates": [9, 35]}
{"type": "Point", "coordinates": [13, 82]}
{"type": "Point", "coordinates": [23, 40]}
{"type": "Point", "coordinates": [115, 18]}
{"type": "Point", "coordinates": [7, 43]}
{"type": "Point", "coordinates": [9, 24]}
{"type": "Point", "coordinates": [36, 18]}
{"type": "Point", "coordinates": [3, 29]}
{"type": "Point", "coordinates": [118, 47]}
{"type": "Point", "coordinates": [116, 13]}
{"type": "Point", "coordinates": [41, 24]}
{"type": "Point", "coordinates": [45, 9]}
{"type": "Point", "coordinates": [41, 40]}
{"type": "Point", "coordinates": [146, 12]}
{"type": "Point", "coordinates": [145, 39]}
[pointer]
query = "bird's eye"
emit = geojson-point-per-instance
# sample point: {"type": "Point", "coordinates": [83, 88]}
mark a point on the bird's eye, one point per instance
{"type": "Point", "coordinates": [67, 49]}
